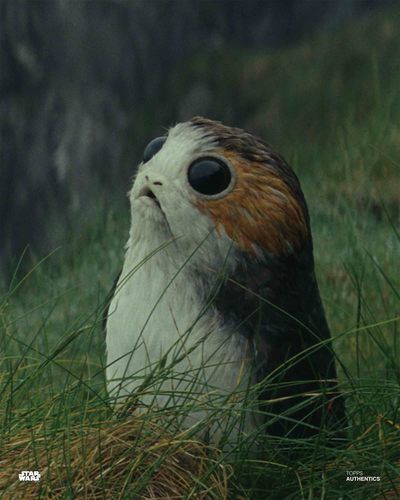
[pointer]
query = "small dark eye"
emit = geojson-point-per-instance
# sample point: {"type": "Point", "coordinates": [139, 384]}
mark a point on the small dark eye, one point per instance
{"type": "Point", "coordinates": [209, 176]}
{"type": "Point", "coordinates": [152, 148]}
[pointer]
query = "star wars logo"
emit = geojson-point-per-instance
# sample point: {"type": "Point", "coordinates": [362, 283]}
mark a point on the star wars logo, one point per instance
{"type": "Point", "coordinates": [29, 475]}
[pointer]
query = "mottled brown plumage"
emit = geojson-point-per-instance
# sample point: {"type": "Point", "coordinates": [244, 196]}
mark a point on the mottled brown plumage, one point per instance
{"type": "Point", "coordinates": [266, 207]}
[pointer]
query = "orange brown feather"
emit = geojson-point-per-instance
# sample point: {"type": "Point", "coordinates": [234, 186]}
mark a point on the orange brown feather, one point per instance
{"type": "Point", "coordinates": [261, 210]}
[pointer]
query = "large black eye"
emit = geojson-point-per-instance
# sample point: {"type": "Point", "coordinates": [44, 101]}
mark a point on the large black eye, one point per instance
{"type": "Point", "coordinates": [152, 148]}
{"type": "Point", "coordinates": [209, 175]}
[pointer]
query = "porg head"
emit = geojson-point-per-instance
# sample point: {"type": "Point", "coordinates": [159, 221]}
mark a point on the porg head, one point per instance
{"type": "Point", "coordinates": [222, 189]}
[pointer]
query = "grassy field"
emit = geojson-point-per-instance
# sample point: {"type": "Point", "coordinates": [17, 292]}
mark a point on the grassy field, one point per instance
{"type": "Point", "coordinates": [331, 106]}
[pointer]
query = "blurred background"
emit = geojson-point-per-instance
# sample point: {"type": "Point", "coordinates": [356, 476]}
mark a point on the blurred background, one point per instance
{"type": "Point", "coordinates": [85, 84]}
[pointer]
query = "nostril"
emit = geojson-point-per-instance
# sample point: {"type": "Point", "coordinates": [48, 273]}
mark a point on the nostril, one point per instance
{"type": "Point", "coordinates": [157, 183]}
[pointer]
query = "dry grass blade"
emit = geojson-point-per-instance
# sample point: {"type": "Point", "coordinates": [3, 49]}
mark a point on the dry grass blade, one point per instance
{"type": "Point", "coordinates": [111, 460]}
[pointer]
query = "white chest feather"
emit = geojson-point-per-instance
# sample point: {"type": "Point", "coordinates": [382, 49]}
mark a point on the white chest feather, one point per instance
{"type": "Point", "coordinates": [160, 312]}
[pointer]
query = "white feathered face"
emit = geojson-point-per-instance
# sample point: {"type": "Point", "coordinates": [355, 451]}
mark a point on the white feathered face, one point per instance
{"type": "Point", "coordinates": [217, 188]}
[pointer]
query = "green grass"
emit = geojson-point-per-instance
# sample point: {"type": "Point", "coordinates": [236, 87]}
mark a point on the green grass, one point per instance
{"type": "Point", "coordinates": [331, 107]}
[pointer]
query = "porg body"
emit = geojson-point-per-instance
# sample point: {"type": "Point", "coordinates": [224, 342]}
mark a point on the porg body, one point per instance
{"type": "Point", "coordinates": [218, 288]}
